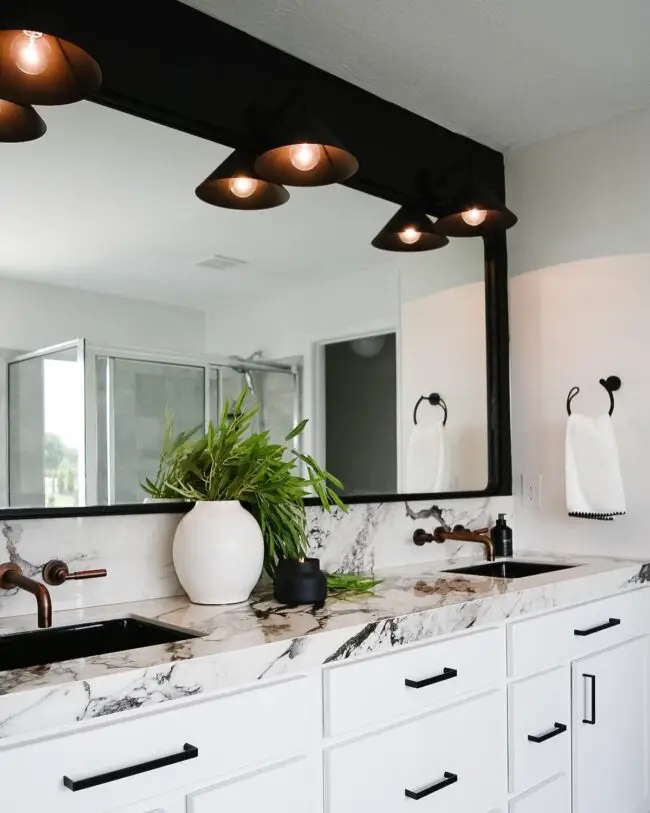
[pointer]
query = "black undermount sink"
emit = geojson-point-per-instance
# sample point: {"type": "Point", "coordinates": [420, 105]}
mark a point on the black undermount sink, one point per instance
{"type": "Point", "coordinates": [508, 569]}
{"type": "Point", "coordinates": [39, 648]}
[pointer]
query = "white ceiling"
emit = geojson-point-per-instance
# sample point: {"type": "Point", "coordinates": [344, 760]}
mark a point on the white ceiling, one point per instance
{"type": "Point", "coordinates": [105, 202]}
{"type": "Point", "coordinates": [504, 72]}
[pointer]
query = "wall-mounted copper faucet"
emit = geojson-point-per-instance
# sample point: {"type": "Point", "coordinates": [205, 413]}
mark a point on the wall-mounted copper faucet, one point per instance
{"type": "Point", "coordinates": [460, 534]}
{"type": "Point", "coordinates": [56, 572]}
{"type": "Point", "coordinates": [11, 576]}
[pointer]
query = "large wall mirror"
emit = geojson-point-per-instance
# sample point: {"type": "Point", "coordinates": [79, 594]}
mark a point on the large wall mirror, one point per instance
{"type": "Point", "coordinates": [126, 300]}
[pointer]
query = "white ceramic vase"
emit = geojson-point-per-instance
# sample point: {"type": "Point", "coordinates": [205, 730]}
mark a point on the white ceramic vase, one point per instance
{"type": "Point", "coordinates": [218, 553]}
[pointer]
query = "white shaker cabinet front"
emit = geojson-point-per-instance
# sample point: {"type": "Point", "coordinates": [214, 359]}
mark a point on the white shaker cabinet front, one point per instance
{"type": "Point", "coordinates": [451, 761]}
{"type": "Point", "coordinates": [610, 730]}
{"type": "Point", "coordinates": [283, 789]}
{"type": "Point", "coordinates": [170, 803]}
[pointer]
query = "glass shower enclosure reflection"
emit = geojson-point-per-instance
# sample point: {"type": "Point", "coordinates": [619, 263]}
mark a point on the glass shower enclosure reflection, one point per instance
{"type": "Point", "coordinates": [85, 423]}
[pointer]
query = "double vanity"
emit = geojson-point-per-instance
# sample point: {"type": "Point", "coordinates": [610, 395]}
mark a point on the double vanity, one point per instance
{"type": "Point", "coordinates": [444, 690]}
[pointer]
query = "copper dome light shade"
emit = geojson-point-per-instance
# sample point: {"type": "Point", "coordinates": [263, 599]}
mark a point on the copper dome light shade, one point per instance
{"type": "Point", "coordinates": [19, 123]}
{"type": "Point", "coordinates": [38, 68]}
{"type": "Point", "coordinates": [299, 150]}
{"type": "Point", "coordinates": [236, 185]}
{"type": "Point", "coordinates": [409, 230]}
{"type": "Point", "coordinates": [474, 212]}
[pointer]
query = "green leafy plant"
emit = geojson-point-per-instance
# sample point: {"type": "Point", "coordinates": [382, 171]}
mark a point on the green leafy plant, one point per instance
{"type": "Point", "coordinates": [349, 585]}
{"type": "Point", "coordinates": [229, 462]}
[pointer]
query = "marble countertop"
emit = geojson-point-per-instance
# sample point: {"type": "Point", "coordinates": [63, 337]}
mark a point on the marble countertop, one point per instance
{"type": "Point", "coordinates": [245, 643]}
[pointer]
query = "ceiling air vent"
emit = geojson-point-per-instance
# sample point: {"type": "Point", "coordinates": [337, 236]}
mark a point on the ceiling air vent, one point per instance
{"type": "Point", "coordinates": [220, 263]}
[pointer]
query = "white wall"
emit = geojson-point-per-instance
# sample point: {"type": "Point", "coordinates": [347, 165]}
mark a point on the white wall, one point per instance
{"type": "Point", "coordinates": [580, 307]}
{"type": "Point", "coordinates": [34, 316]}
{"type": "Point", "coordinates": [294, 321]}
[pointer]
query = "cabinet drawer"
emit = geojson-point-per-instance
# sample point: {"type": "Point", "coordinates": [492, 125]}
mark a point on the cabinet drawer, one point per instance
{"type": "Point", "coordinates": [559, 637]}
{"type": "Point", "coordinates": [170, 803]}
{"type": "Point", "coordinates": [539, 707]}
{"type": "Point", "coordinates": [278, 790]}
{"type": "Point", "coordinates": [454, 759]}
{"type": "Point", "coordinates": [553, 797]}
{"type": "Point", "coordinates": [375, 691]}
{"type": "Point", "coordinates": [227, 734]}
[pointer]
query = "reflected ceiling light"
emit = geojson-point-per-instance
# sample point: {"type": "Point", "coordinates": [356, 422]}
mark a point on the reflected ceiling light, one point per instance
{"type": "Point", "coordinates": [368, 346]}
{"type": "Point", "coordinates": [409, 230]}
{"type": "Point", "coordinates": [235, 184]}
{"type": "Point", "coordinates": [37, 68]}
{"type": "Point", "coordinates": [19, 123]}
{"type": "Point", "coordinates": [475, 212]}
{"type": "Point", "coordinates": [299, 150]}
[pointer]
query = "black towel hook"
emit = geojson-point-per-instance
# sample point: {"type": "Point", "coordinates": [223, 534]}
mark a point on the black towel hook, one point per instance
{"type": "Point", "coordinates": [612, 384]}
{"type": "Point", "coordinates": [435, 400]}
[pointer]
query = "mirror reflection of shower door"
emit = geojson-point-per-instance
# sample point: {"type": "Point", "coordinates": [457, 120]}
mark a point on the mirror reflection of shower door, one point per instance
{"type": "Point", "coordinates": [275, 392]}
{"type": "Point", "coordinates": [133, 399]}
{"type": "Point", "coordinates": [233, 381]}
{"type": "Point", "coordinates": [46, 428]}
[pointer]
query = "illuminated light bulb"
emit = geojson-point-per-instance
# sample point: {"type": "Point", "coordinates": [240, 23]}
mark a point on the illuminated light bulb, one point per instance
{"type": "Point", "coordinates": [409, 235]}
{"type": "Point", "coordinates": [304, 156]}
{"type": "Point", "coordinates": [243, 187]}
{"type": "Point", "coordinates": [474, 217]}
{"type": "Point", "coordinates": [31, 51]}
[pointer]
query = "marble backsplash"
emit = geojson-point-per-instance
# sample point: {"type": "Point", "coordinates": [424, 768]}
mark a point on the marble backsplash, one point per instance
{"type": "Point", "coordinates": [136, 549]}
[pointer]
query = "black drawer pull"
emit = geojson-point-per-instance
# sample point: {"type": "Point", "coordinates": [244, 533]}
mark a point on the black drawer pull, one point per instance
{"type": "Point", "coordinates": [587, 720]}
{"type": "Point", "coordinates": [446, 674]}
{"type": "Point", "coordinates": [613, 622]}
{"type": "Point", "coordinates": [449, 779]}
{"type": "Point", "coordinates": [558, 728]}
{"type": "Point", "coordinates": [188, 752]}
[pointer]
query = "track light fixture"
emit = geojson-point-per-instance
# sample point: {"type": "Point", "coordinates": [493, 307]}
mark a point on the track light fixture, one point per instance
{"type": "Point", "coordinates": [235, 184]}
{"type": "Point", "coordinates": [409, 230]}
{"type": "Point", "coordinates": [299, 150]}
{"type": "Point", "coordinates": [38, 68]}
{"type": "Point", "coordinates": [19, 123]}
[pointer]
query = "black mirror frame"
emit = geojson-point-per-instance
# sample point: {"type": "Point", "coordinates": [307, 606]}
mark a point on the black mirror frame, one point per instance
{"type": "Point", "coordinates": [167, 92]}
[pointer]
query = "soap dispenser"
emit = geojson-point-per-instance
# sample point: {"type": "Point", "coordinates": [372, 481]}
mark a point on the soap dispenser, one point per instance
{"type": "Point", "coordinates": [502, 537]}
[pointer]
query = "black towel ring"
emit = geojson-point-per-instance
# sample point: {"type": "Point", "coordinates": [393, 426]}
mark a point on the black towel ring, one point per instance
{"type": "Point", "coordinates": [435, 400]}
{"type": "Point", "coordinates": [611, 384]}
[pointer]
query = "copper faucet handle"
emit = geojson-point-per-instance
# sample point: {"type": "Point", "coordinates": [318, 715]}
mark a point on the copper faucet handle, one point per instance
{"type": "Point", "coordinates": [57, 572]}
{"type": "Point", "coordinates": [420, 537]}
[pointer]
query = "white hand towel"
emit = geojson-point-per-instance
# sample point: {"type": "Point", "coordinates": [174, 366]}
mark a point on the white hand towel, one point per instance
{"type": "Point", "coordinates": [427, 460]}
{"type": "Point", "coordinates": [594, 486]}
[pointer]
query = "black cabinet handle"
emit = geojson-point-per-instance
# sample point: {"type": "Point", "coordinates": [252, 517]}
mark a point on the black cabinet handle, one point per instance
{"type": "Point", "coordinates": [558, 728]}
{"type": "Point", "coordinates": [613, 622]}
{"type": "Point", "coordinates": [188, 752]}
{"type": "Point", "coordinates": [586, 720]}
{"type": "Point", "coordinates": [446, 674]}
{"type": "Point", "coordinates": [449, 779]}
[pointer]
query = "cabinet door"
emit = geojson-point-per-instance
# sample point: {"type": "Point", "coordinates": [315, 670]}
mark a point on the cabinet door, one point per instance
{"type": "Point", "coordinates": [284, 789]}
{"type": "Point", "coordinates": [169, 803]}
{"type": "Point", "coordinates": [553, 796]}
{"type": "Point", "coordinates": [610, 727]}
{"type": "Point", "coordinates": [450, 761]}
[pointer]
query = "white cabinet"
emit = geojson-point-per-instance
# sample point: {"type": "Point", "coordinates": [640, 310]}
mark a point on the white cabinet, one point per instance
{"type": "Point", "coordinates": [451, 761]}
{"type": "Point", "coordinates": [610, 730]}
{"type": "Point", "coordinates": [138, 757]}
{"type": "Point", "coordinates": [539, 725]}
{"type": "Point", "coordinates": [283, 789]}
{"type": "Point", "coordinates": [378, 690]}
{"type": "Point", "coordinates": [551, 797]}
{"type": "Point", "coordinates": [170, 803]}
